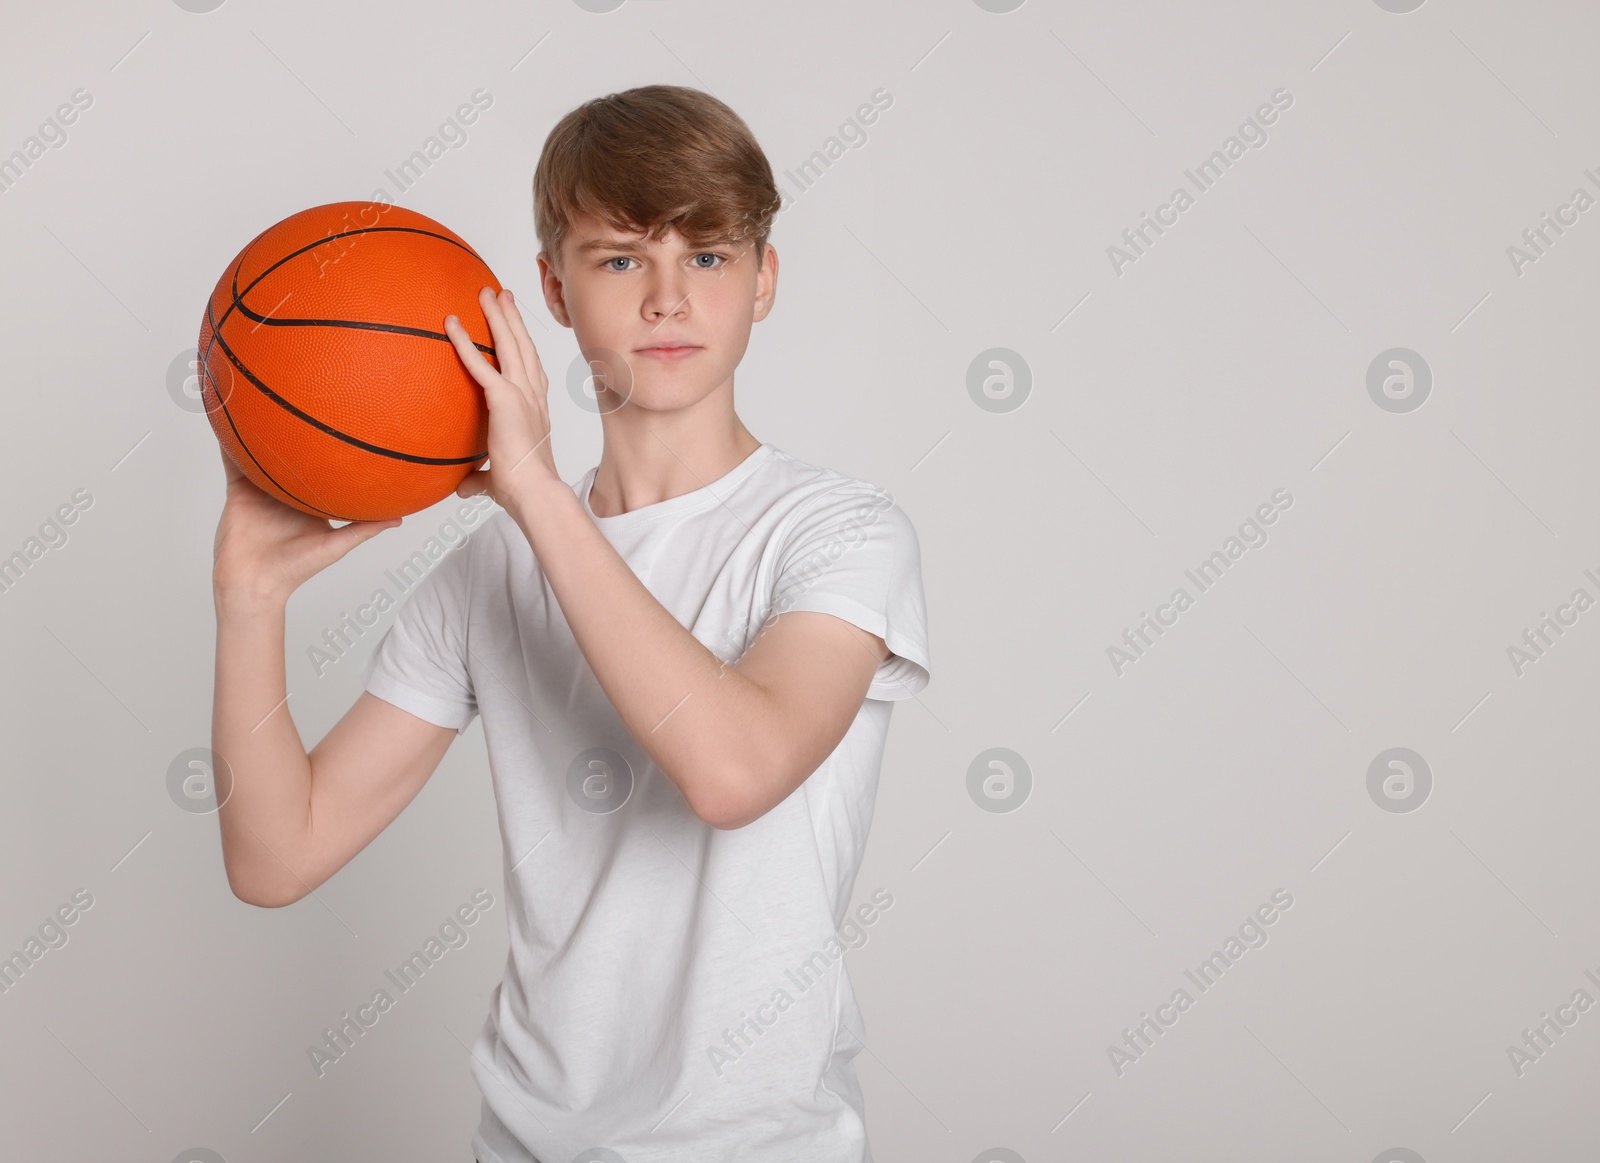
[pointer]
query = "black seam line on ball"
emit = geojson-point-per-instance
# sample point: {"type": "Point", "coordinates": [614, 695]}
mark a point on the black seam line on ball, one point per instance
{"type": "Point", "coordinates": [205, 369]}
{"type": "Point", "coordinates": [329, 429]}
{"type": "Point", "coordinates": [392, 328]}
{"type": "Point", "coordinates": [238, 295]}
{"type": "Point", "coordinates": [395, 328]}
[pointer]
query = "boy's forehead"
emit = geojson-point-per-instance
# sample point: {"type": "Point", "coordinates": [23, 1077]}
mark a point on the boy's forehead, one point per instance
{"type": "Point", "coordinates": [588, 232]}
{"type": "Point", "coordinates": [588, 228]}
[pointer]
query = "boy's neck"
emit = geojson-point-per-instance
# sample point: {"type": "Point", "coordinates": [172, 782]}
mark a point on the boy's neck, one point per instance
{"type": "Point", "coordinates": [643, 465]}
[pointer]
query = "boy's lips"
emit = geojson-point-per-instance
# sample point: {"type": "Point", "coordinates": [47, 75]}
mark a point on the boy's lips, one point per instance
{"type": "Point", "coordinates": [668, 350]}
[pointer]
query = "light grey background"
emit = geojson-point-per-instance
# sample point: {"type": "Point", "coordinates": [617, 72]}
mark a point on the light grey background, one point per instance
{"type": "Point", "coordinates": [1168, 401]}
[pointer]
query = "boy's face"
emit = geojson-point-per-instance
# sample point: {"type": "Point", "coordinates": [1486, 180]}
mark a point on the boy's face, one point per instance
{"type": "Point", "coordinates": [632, 301]}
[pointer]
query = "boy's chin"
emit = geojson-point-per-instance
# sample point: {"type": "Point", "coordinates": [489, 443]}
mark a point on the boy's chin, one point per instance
{"type": "Point", "coordinates": [666, 394]}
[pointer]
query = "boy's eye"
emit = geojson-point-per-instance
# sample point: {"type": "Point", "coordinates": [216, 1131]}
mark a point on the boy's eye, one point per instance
{"type": "Point", "coordinates": [699, 264]}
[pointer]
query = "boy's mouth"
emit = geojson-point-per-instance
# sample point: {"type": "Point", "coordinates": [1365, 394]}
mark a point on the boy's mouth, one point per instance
{"type": "Point", "coordinates": [668, 351]}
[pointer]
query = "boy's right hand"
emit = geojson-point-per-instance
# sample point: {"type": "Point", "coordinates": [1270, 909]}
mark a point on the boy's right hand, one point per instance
{"type": "Point", "coordinates": [264, 549]}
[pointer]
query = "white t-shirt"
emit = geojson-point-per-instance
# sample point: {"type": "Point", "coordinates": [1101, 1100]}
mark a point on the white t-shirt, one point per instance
{"type": "Point", "coordinates": [672, 990]}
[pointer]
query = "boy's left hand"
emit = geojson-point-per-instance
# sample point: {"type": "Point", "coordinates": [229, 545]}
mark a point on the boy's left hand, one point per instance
{"type": "Point", "coordinates": [520, 458]}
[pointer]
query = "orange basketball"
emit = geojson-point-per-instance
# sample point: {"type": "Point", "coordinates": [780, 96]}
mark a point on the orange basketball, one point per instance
{"type": "Point", "coordinates": [324, 365]}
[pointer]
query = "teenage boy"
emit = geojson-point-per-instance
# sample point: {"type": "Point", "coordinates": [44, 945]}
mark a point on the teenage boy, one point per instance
{"type": "Point", "coordinates": [685, 665]}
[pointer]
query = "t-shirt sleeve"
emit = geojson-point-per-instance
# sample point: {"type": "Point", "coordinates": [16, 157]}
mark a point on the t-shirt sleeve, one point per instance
{"type": "Point", "coordinates": [853, 553]}
{"type": "Point", "coordinates": [420, 663]}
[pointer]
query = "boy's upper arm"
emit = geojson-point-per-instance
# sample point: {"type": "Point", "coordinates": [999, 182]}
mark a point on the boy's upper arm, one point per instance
{"type": "Point", "coordinates": [814, 669]}
{"type": "Point", "coordinates": [418, 697]}
{"type": "Point", "coordinates": [363, 773]}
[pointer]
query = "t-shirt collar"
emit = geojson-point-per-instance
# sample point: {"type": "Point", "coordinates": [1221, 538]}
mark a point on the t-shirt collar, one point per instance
{"type": "Point", "coordinates": [710, 493]}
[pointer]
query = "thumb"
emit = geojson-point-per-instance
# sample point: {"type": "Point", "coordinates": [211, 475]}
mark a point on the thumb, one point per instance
{"type": "Point", "coordinates": [473, 483]}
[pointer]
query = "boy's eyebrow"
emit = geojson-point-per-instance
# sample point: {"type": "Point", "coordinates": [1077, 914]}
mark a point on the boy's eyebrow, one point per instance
{"type": "Point", "coordinates": [595, 244]}
{"type": "Point", "coordinates": [608, 244]}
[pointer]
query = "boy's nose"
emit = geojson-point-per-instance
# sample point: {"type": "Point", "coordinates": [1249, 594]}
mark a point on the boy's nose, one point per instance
{"type": "Point", "coordinates": [668, 295]}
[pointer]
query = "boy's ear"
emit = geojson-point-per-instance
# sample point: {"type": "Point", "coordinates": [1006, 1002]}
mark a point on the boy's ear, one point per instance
{"type": "Point", "coordinates": [554, 291]}
{"type": "Point", "coordinates": [766, 283]}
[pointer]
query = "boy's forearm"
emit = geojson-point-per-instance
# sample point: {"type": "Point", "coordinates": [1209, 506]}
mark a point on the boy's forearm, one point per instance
{"type": "Point", "coordinates": [698, 720]}
{"type": "Point", "coordinates": [264, 815]}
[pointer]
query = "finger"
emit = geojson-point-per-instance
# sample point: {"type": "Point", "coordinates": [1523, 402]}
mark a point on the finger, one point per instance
{"type": "Point", "coordinates": [477, 363]}
{"type": "Point", "coordinates": [505, 344]}
{"type": "Point", "coordinates": [530, 353]}
{"type": "Point", "coordinates": [477, 366]}
{"type": "Point", "coordinates": [538, 382]}
{"type": "Point", "coordinates": [230, 471]}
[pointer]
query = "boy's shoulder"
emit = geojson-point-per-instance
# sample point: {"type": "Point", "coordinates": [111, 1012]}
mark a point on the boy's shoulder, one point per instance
{"type": "Point", "coordinates": [811, 484]}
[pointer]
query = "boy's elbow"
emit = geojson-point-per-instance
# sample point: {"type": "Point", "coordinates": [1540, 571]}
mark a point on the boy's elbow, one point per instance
{"type": "Point", "coordinates": [715, 800]}
{"type": "Point", "coordinates": [724, 811]}
{"type": "Point", "coordinates": [254, 895]}
{"type": "Point", "coordinates": [727, 821]}
{"type": "Point", "coordinates": [259, 901]}
{"type": "Point", "coordinates": [268, 904]}
{"type": "Point", "coordinates": [733, 801]}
